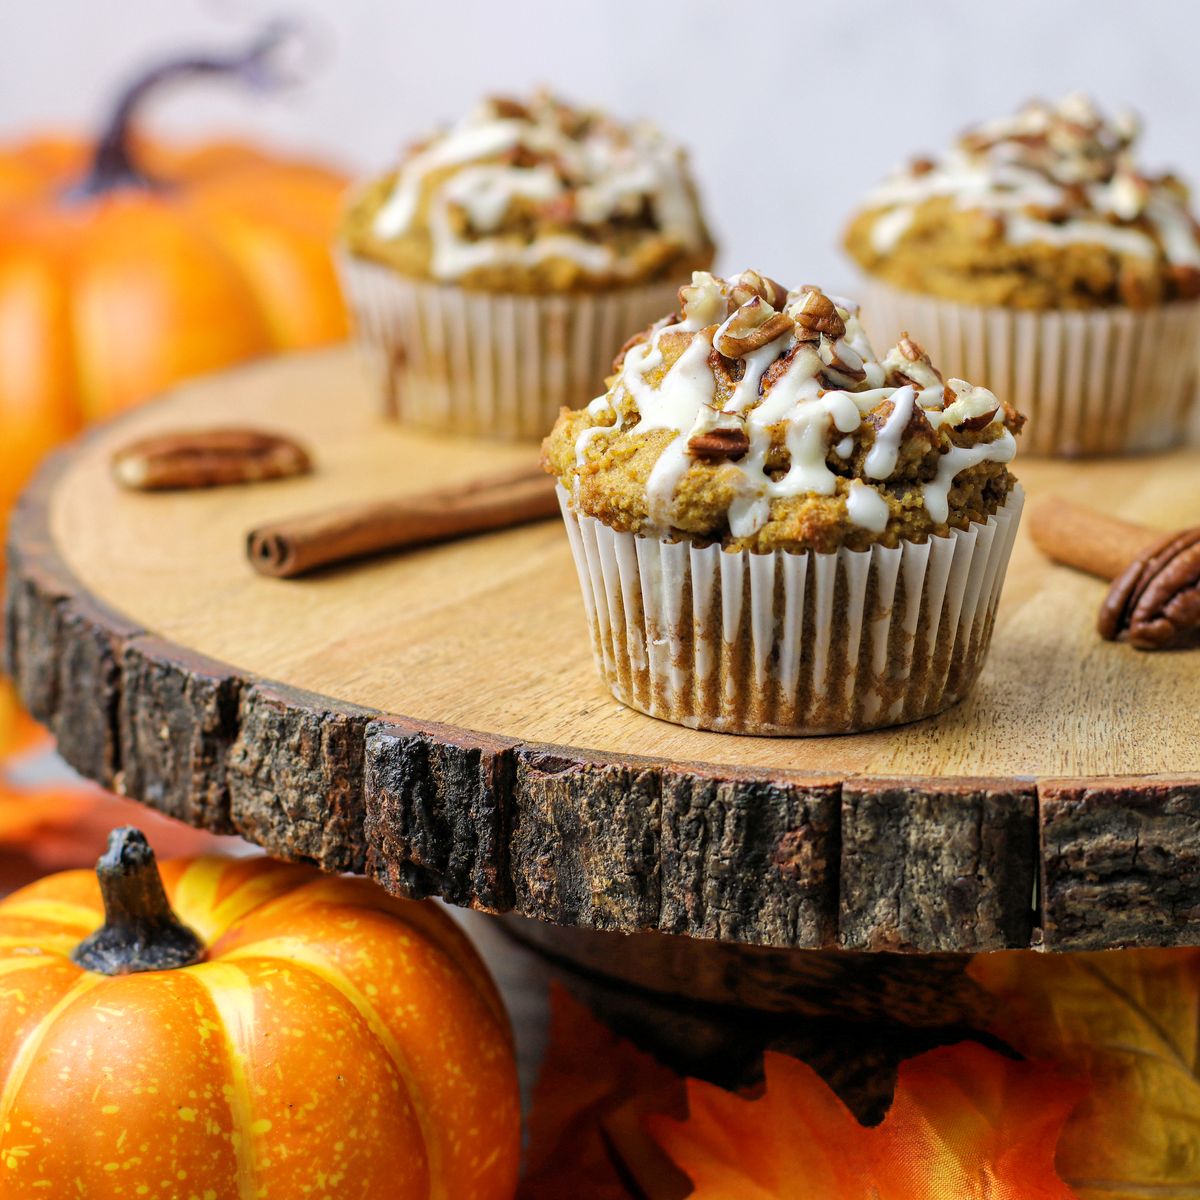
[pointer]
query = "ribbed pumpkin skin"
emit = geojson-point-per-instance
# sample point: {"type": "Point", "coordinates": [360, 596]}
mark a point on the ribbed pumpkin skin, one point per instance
{"type": "Point", "coordinates": [107, 301]}
{"type": "Point", "coordinates": [337, 1043]}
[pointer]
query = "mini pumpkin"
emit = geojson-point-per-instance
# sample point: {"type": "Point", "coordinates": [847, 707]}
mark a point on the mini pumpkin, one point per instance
{"type": "Point", "coordinates": [287, 1035]}
{"type": "Point", "coordinates": [128, 264]}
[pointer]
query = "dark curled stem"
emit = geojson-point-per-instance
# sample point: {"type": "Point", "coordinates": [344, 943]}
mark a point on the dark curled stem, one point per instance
{"type": "Point", "coordinates": [258, 66]}
{"type": "Point", "coordinates": [141, 931]}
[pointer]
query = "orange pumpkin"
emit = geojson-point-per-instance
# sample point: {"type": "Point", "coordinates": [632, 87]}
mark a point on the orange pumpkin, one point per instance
{"type": "Point", "coordinates": [127, 265]}
{"type": "Point", "coordinates": [331, 1041]}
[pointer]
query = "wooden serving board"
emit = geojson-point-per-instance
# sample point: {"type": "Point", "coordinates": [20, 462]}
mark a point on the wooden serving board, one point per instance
{"type": "Point", "coordinates": [435, 720]}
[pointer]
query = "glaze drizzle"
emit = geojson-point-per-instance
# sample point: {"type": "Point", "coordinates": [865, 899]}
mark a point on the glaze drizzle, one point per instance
{"type": "Point", "coordinates": [583, 170]}
{"type": "Point", "coordinates": [1061, 173]}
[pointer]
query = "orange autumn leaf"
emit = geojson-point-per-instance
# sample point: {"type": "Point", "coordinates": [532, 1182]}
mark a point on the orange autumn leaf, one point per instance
{"type": "Point", "coordinates": [1130, 1020]}
{"type": "Point", "coordinates": [585, 1134]}
{"type": "Point", "coordinates": [966, 1124]}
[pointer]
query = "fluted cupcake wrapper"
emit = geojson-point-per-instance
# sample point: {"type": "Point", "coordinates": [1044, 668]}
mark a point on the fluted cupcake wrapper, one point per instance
{"type": "Point", "coordinates": [791, 644]}
{"type": "Point", "coordinates": [488, 364]}
{"type": "Point", "coordinates": [1107, 381]}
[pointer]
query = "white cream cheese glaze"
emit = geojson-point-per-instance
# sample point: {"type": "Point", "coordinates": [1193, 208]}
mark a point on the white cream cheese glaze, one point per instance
{"type": "Point", "coordinates": [1066, 160]}
{"type": "Point", "coordinates": [601, 172]}
{"type": "Point", "coordinates": [818, 406]}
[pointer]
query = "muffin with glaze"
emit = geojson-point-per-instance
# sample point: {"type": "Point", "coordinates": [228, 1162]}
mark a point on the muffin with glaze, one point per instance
{"type": "Point", "coordinates": [778, 532]}
{"type": "Point", "coordinates": [495, 266]}
{"type": "Point", "coordinates": [1037, 257]}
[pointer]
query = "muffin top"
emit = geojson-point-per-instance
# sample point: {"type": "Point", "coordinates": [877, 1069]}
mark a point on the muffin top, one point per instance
{"type": "Point", "coordinates": [1045, 209]}
{"type": "Point", "coordinates": [761, 419]}
{"type": "Point", "coordinates": [535, 197]}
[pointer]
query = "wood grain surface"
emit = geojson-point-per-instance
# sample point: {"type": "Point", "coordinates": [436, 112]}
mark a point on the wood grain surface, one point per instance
{"type": "Point", "coordinates": [435, 719]}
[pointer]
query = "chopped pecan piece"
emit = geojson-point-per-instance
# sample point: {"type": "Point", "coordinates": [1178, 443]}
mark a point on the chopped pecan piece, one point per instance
{"type": "Point", "coordinates": [749, 284]}
{"type": "Point", "coordinates": [703, 302]}
{"type": "Point", "coordinates": [719, 445]}
{"type": "Point", "coordinates": [507, 108]}
{"type": "Point", "coordinates": [1186, 281]}
{"type": "Point", "coordinates": [908, 363]}
{"type": "Point", "coordinates": [781, 365]}
{"type": "Point", "coordinates": [969, 407]}
{"type": "Point", "coordinates": [731, 370]}
{"type": "Point", "coordinates": [843, 359]}
{"type": "Point", "coordinates": [752, 326]}
{"type": "Point", "coordinates": [815, 312]}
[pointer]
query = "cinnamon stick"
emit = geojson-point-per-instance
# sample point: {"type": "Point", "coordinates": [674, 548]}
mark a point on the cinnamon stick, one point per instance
{"type": "Point", "coordinates": [297, 545]}
{"type": "Point", "coordinates": [1086, 539]}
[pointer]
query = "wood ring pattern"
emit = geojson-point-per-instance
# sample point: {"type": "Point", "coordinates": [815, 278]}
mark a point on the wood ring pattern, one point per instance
{"type": "Point", "coordinates": [592, 838]}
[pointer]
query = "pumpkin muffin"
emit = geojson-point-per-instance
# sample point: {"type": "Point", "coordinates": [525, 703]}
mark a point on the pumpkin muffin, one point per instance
{"type": "Point", "coordinates": [495, 265]}
{"type": "Point", "coordinates": [778, 532]}
{"type": "Point", "coordinates": [1037, 257]}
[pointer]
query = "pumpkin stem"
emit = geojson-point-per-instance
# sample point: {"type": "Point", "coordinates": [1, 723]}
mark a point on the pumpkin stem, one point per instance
{"type": "Point", "coordinates": [141, 931]}
{"type": "Point", "coordinates": [258, 66]}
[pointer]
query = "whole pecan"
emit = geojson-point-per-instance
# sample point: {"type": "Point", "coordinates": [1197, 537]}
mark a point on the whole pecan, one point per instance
{"type": "Point", "coordinates": [719, 445]}
{"type": "Point", "coordinates": [1154, 604]}
{"type": "Point", "coordinates": [208, 458]}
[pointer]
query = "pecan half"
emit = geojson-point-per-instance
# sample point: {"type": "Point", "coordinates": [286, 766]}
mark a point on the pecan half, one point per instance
{"type": "Point", "coordinates": [1154, 604]}
{"type": "Point", "coordinates": [719, 445]}
{"type": "Point", "coordinates": [816, 313]}
{"type": "Point", "coordinates": [751, 327]}
{"type": "Point", "coordinates": [207, 458]}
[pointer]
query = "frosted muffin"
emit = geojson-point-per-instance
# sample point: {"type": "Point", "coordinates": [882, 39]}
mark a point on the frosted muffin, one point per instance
{"type": "Point", "coordinates": [497, 265]}
{"type": "Point", "coordinates": [776, 531]}
{"type": "Point", "coordinates": [1038, 258]}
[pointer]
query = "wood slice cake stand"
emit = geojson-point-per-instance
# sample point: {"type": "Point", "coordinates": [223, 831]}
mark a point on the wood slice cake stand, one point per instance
{"type": "Point", "coordinates": [434, 720]}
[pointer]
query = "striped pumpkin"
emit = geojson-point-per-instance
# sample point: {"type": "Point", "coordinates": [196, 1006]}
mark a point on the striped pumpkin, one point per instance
{"type": "Point", "coordinates": [333, 1041]}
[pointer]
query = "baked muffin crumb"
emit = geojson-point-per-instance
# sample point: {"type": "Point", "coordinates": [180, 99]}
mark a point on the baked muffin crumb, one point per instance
{"type": "Point", "coordinates": [1046, 209]}
{"type": "Point", "coordinates": [760, 418]}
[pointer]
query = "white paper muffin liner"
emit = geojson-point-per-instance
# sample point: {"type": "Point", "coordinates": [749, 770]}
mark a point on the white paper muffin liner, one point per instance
{"type": "Point", "coordinates": [1109, 381]}
{"type": "Point", "coordinates": [489, 364]}
{"type": "Point", "coordinates": [791, 644]}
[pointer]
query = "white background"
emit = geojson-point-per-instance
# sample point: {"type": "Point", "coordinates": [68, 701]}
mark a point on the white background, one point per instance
{"type": "Point", "coordinates": [792, 108]}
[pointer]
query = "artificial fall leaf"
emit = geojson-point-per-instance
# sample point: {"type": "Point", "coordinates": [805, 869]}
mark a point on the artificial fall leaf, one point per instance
{"type": "Point", "coordinates": [586, 1139]}
{"type": "Point", "coordinates": [966, 1124]}
{"type": "Point", "coordinates": [44, 829]}
{"type": "Point", "coordinates": [1129, 1020]}
{"type": "Point", "coordinates": [19, 733]}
